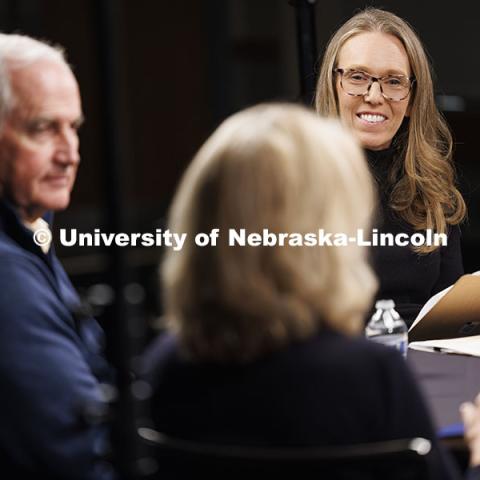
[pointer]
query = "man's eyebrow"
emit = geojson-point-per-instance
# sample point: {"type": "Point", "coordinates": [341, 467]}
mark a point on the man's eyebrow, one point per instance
{"type": "Point", "coordinates": [35, 121]}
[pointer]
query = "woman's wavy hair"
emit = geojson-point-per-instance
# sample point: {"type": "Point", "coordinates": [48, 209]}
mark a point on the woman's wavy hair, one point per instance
{"type": "Point", "coordinates": [278, 167]}
{"type": "Point", "coordinates": [422, 177]}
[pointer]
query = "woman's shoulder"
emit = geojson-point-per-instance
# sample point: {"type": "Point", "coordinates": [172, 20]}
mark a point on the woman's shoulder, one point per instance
{"type": "Point", "coordinates": [330, 351]}
{"type": "Point", "coordinates": [326, 342]}
{"type": "Point", "coordinates": [352, 358]}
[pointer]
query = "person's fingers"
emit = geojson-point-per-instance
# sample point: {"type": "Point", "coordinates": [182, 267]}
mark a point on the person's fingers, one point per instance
{"type": "Point", "coordinates": [471, 421]}
{"type": "Point", "coordinates": [470, 413]}
{"type": "Point", "coordinates": [467, 411]}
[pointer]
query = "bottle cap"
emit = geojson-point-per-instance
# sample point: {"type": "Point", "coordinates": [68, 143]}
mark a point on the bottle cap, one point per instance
{"type": "Point", "coordinates": [384, 304]}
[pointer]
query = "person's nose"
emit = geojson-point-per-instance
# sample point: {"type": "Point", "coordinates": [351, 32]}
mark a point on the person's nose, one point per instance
{"type": "Point", "coordinates": [374, 94]}
{"type": "Point", "coordinates": [67, 151]}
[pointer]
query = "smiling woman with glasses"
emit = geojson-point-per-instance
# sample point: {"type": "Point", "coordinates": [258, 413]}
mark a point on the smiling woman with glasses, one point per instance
{"type": "Point", "coordinates": [376, 77]}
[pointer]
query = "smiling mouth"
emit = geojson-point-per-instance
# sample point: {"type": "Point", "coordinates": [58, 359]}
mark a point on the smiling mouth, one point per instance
{"type": "Point", "coordinates": [371, 118]}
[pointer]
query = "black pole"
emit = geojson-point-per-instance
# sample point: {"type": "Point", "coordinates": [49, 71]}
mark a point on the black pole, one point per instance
{"type": "Point", "coordinates": [120, 346]}
{"type": "Point", "coordinates": [307, 47]}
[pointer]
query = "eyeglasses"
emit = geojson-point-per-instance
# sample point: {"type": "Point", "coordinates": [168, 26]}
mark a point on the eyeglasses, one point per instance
{"type": "Point", "coordinates": [358, 83]}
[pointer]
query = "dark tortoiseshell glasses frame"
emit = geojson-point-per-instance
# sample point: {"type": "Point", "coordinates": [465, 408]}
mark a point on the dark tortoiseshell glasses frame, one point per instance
{"type": "Point", "coordinates": [370, 79]}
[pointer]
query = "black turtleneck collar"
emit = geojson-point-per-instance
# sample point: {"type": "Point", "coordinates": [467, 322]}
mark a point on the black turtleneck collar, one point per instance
{"type": "Point", "coordinates": [380, 162]}
{"type": "Point", "coordinates": [380, 156]}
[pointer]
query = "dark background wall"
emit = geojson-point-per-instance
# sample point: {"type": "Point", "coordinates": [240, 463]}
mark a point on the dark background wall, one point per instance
{"type": "Point", "coordinates": [181, 67]}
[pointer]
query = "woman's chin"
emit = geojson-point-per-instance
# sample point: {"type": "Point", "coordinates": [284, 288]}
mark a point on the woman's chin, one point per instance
{"type": "Point", "coordinates": [373, 142]}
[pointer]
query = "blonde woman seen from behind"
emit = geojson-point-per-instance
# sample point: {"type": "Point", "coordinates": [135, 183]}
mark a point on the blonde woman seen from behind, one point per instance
{"type": "Point", "coordinates": [265, 344]}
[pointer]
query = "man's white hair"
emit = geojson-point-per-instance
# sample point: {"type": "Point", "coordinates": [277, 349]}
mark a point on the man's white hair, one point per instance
{"type": "Point", "coordinates": [19, 51]}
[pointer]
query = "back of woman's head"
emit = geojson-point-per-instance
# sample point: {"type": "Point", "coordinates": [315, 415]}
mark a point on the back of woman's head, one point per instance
{"type": "Point", "coordinates": [276, 169]}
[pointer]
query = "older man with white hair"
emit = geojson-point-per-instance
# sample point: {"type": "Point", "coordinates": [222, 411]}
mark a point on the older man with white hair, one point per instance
{"type": "Point", "coordinates": [51, 366]}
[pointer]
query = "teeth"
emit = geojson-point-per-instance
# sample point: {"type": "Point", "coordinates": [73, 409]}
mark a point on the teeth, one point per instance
{"type": "Point", "coordinates": [372, 118]}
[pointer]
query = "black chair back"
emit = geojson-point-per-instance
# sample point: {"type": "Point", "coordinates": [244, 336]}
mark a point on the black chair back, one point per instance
{"type": "Point", "coordinates": [390, 460]}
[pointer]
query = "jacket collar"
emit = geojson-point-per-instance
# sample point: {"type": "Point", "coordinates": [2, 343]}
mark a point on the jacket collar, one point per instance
{"type": "Point", "coordinates": [12, 225]}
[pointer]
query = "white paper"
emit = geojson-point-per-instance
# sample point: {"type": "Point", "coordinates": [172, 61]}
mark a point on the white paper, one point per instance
{"type": "Point", "coordinates": [461, 345]}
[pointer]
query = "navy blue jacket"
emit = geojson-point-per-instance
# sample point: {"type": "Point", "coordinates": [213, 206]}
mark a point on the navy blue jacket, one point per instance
{"type": "Point", "coordinates": [51, 364]}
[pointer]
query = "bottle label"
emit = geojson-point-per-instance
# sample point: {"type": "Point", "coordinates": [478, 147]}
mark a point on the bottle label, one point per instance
{"type": "Point", "coordinates": [400, 342]}
{"type": "Point", "coordinates": [403, 347]}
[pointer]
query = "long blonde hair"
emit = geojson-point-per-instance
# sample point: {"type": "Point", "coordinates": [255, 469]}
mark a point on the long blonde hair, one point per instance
{"type": "Point", "coordinates": [276, 167]}
{"type": "Point", "coordinates": [422, 177]}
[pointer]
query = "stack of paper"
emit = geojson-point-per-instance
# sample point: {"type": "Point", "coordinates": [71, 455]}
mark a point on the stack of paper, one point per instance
{"type": "Point", "coordinates": [462, 345]}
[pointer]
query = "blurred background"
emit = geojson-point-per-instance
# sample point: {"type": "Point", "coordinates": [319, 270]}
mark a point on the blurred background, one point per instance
{"type": "Point", "coordinates": [157, 77]}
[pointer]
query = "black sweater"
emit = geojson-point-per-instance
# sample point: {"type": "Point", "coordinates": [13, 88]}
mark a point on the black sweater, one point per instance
{"type": "Point", "coordinates": [406, 277]}
{"type": "Point", "coordinates": [327, 390]}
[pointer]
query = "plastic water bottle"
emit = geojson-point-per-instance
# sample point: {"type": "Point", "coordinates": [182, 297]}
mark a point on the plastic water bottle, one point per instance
{"type": "Point", "coordinates": [387, 327]}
